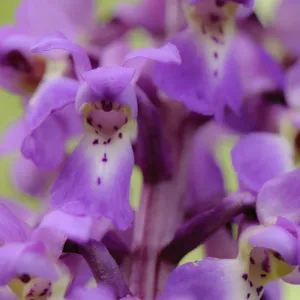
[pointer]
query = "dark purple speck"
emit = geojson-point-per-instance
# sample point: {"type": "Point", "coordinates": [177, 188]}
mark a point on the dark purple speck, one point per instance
{"type": "Point", "coordinates": [95, 142]}
{"type": "Point", "coordinates": [120, 135]}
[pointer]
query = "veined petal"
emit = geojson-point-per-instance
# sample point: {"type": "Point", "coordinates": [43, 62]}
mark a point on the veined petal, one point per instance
{"type": "Point", "coordinates": [46, 101]}
{"type": "Point", "coordinates": [95, 180]}
{"type": "Point", "coordinates": [280, 197]}
{"type": "Point", "coordinates": [207, 80]}
{"type": "Point", "coordinates": [59, 41]}
{"type": "Point", "coordinates": [73, 17]}
{"type": "Point", "coordinates": [45, 145]}
{"type": "Point", "coordinates": [255, 164]}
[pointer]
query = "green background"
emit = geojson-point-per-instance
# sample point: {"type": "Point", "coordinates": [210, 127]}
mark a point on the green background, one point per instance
{"type": "Point", "coordinates": [10, 110]}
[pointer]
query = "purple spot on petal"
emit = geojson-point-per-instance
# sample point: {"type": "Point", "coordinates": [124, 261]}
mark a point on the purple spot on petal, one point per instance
{"type": "Point", "coordinates": [248, 296]}
{"type": "Point", "coordinates": [104, 159]}
{"type": "Point", "coordinates": [216, 55]}
{"type": "Point", "coordinates": [245, 276]}
{"type": "Point", "coordinates": [108, 141]}
{"type": "Point", "coordinates": [120, 135]}
{"type": "Point", "coordinates": [216, 40]}
{"type": "Point", "coordinates": [98, 180]}
{"type": "Point", "coordinates": [263, 275]}
{"type": "Point", "coordinates": [126, 120]}
{"type": "Point", "coordinates": [278, 256]}
{"type": "Point", "coordinates": [30, 293]}
{"type": "Point", "coordinates": [95, 142]}
{"type": "Point", "coordinates": [104, 143]}
{"type": "Point", "coordinates": [99, 126]}
{"type": "Point", "coordinates": [116, 128]}
{"type": "Point", "coordinates": [250, 282]}
{"type": "Point", "coordinates": [25, 278]}
{"type": "Point", "coordinates": [266, 263]}
{"type": "Point", "coordinates": [107, 106]}
{"type": "Point", "coordinates": [259, 290]}
{"type": "Point", "coordinates": [89, 120]}
{"type": "Point", "coordinates": [252, 261]}
{"type": "Point", "coordinates": [44, 292]}
{"type": "Point", "coordinates": [96, 132]}
{"type": "Point", "coordinates": [214, 18]}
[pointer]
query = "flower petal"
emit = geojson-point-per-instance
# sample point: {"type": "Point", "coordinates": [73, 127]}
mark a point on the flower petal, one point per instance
{"type": "Point", "coordinates": [212, 189]}
{"type": "Point", "coordinates": [12, 229]}
{"type": "Point", "coordinates": [255, 164]}
{"type": "Point", "coordinates": [292, 90]}
{"type": "Point", "coordinates": [45, 145]}
{"type": "Point", "coordinates": [13, 137]}
{"type": "Point", "coordinates": [59, 41]}
{"type": "Point", "coordinates": [30, 179]}
{"type": "Point", "coordinates": [95, 180]}
{"type": "Point", "coordinates": [279, 240]}
{"type": "Point", "coordinates": [102, 292]}
{"type": "Point", "coordinates": [68, 15]}
{"type": "Point", "coordinates": [258, 70]}
{"type": "Point", "coordinates": [18, 259]}
{"type": "Point", "coordinates": [167, 54]}
{"type": "Point", "coordinates": [76, 228]}
{"type": "Point", "coordinates": [108, 83]}
{"type": "Point", "coordinates": [209, 279]}
{"type": "Point", "coordinates": [45, 101]}
{"type": "Point", "coordinates": [207, 80]}
{"type": "Point", "coordinates": [280, 197]}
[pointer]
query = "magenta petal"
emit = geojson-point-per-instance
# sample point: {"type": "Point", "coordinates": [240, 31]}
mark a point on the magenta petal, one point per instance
{"type": "Point", "coordinates": [30, 179]}
{"type": "Point", "coordinates": [12, 229]}
{"type": "Point", "coordinates": [12, 138]}
{"type": "Point", "coordinates": [279, 240]}
{"type": "Point", "coordinates": [59, 41]}
{"type": "Point", "coordinates": [280, 197]}
{"type": "Point", "coordinates": [45, 145]}
{"type": "Point", "coordinates": [76, 228]}
{"type": "Point", "coordinates": [95, 180]}
{"type": "Point", "coordinates": [46, 101]}
{"type": "Point", "coordinates": [71, 16]}
{"type": "Point", "coordinates": [255, 164]}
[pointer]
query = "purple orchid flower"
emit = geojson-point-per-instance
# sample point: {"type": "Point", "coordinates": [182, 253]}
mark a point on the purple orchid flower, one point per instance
{"type": "Point", "coordinates": [104, 157]}
{"type": "Point", "coordinates": [262, 258]}
{"type": "Point", "coordinates": [208, 79]}
{"type": "Point", "coordinates": [256, 165]}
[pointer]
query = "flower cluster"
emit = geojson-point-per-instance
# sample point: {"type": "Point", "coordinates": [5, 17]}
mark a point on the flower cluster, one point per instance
{"type": "Point", "coordinates": [201, 98]}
